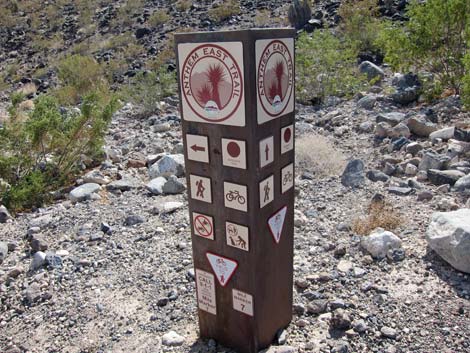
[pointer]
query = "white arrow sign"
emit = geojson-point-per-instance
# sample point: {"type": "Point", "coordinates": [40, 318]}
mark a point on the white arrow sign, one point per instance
{"type": "Point", "coordinates": [223, 267]}
{"type": "Point", "coordinates": [276, 222]}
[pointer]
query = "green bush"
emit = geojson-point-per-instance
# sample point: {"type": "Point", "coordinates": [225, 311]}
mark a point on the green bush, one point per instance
{"type": "Point", "coordinates": [158, 18]}
{"type": "Point", "coordinates": [148, 88]}
{"type": "Point", "coordinates": [79, 75]}
{"type": "Point", "coordinates": [326, 66]}
{"type": "Point", "coordinates": [436, 39]}
{"type": "Point", "coordinates": [361, 24]}
{"type": "Point", "coordinates": [42, 152]}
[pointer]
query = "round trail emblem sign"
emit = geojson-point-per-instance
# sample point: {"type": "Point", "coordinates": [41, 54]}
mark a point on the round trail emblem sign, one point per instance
{"type": "Point", "coordinates": [275, 78]}
{"type": "Point", "coordinates": [212, 83]}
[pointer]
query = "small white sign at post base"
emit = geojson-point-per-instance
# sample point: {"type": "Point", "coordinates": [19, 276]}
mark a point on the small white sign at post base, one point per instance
{"type": "Point", "coordinates": [242, 302]}
{"type": "Point", "coordinates": [205, 285]}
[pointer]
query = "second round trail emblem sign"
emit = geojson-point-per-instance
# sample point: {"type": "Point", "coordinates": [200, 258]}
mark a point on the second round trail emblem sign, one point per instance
{"type": "Point", "coordinates": [211, 81]}
{"type": "Point", "coordinates": [275, 78]}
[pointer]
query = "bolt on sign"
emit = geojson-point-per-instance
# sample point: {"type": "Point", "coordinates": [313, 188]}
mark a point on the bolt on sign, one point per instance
{"type": "Point", "coordinates": [237, 106]}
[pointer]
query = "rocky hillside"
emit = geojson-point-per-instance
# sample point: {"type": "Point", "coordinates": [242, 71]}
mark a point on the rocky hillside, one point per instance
{"type": "Point", "coordinates": [382, 219]}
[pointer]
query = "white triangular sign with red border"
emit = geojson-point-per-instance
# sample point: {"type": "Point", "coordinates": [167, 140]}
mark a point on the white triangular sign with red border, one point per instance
{"type": "Point", "coordinates": [223, 267]}
{"type": "Point", "coordinates": [276, 223]}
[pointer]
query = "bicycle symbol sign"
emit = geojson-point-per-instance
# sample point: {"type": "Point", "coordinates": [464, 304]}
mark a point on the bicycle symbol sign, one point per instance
{"type": "Point", "coordinates": [287, 175]}
{"type": "Point", "coordinates": [235, 196]}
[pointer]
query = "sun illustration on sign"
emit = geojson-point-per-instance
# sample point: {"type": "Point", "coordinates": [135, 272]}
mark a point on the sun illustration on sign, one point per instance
{"type": "Point", "coordinates": [212, 88]}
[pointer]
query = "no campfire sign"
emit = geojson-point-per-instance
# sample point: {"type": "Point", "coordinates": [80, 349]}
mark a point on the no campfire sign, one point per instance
{"type": "Point", "coordinates": [237, 107]}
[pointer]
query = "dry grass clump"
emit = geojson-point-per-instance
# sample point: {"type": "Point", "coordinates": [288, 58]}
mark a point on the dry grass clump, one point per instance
{"type": "Point", "coordinates": [224, 10]}
{"type": "Point", "coordinates": [159, 17]}
{"type": "Point", "coordinates": [317, 154]}
{"type": "Point", "coordinates": [379, 214]}
{"type": "Point", "coordinates": [183, 5]}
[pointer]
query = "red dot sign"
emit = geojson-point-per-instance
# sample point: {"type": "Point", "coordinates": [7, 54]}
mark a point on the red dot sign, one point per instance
{"type": "Point", "coordinates": [287, 135]}
{"type": "Point", "coordinates": [233, 149]}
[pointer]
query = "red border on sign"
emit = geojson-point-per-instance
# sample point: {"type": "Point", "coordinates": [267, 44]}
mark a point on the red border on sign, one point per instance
{"type": "Point", "coordinates": [211, 224]}
{"type": "Point", "coordinates": [272, 234]}
{"type": "Point", "coordinates": [257, 78]}
{"type": "Point", "coordinates": [226, 258]}
{"type": "Point", "coordinates": [239, 72]}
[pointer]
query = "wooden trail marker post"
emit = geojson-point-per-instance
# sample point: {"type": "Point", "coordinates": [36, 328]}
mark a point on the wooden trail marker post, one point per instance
{"type": "Point", "coordinates": [237, 108]}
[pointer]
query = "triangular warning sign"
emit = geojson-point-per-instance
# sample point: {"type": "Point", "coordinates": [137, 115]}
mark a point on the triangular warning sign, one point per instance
{"type": "Point", "coordinates": [276, 222]}
{"type": "Point", "coordinates": [223, 268]}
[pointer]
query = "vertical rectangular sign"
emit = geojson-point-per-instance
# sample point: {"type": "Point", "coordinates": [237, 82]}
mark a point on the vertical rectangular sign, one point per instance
{"type": "Point", "coordinates": [237, 107]}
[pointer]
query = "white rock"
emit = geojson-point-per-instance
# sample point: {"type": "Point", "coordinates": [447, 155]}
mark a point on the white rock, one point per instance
{"type": "Point", "coordinates": [172, 339]}
{"type": "Point", "coordinates": [448, 235]}
{"type": "Point", "coordinates": [379, 242]}
{"type": "Point", "coordinates": [281, 349]}
{"type": "Point", "coordinates": [96, 177]}
{"type": "Point", "coordinates": [155, 186]}
{"type": "Point", "coordinates": [444, 134]}
{"type": "Point", "coordinates": [172, 164]}
{"type": "Point", "coordinates": [39, 259]}
{"type": "Point", "coordinates": [83, 192]}
{"type": "Point", "coordinates": [411, 169]}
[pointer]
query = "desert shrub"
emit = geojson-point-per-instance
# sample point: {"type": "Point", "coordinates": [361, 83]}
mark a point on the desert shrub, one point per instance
{"type": "Point", "coordinates": [158, 18]}
{"type": "Point", "coordinates": [436, 39]}
{"type": "Point", "coordinates": [326, 66]}
{"type": "Point", "coordinates": [379, 214]}
{"type": "Point", "coordinates": [317, 154]}
{"type": "Point", "coordinates": [466, 82]}
{"type": "Point", "coordinates": [183, 5]}
{"type": "Point", "coordinates": [264, 18]}
{"type": "Point", "coordinates": [221, 12]}
{"type": "Point", "coordinates": [148, 88]}
{"type": "Point", "coordinates": [43, 151]}
{"type": "Point", "coordinates": [361, 23]}
{"type": "Point", "coordinates": [78, 76]}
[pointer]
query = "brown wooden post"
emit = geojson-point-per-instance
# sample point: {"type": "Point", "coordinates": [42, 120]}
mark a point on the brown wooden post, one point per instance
{"type": "Point", "coordinates": [237, 108]}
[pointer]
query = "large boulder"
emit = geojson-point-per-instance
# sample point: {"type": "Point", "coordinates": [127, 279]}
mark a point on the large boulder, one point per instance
{"type": "Point", "coordinates": [392, 118]}
{"type": "Point", "coordinates": [433, 160]}
{"type": "Point", "coordinates": [172, 164]}
{"type": "Point", "coordinates": [353, 174]}
{"type": "Point", "coordinates": [4, 214]}
{"type": "Point", "coordinates": [3, 251]}
{"type": "Point", "coordinates": [371, 70]}
{"type": "Point", "coordinates": [83, 192]}
{"type": "Point", "coordinates": [448, 235]}
{"type": "Point", "coordinates": [420, 126]}
{"type": "Point", "coordinates": [379, 242]}
{"type": "Point", "coordinates": [442, 177]}
{"type": "Point", "coordinates": [463, 184]}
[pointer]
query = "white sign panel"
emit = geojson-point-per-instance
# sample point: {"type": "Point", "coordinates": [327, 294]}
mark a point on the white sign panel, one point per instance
{"type": "Point", "coordinates": [236, 196]}
{"type": "Point", "coordinates": [200, 188]}
{"type": "Point", "coordinates": [234, 153]}
{"type": "Point", "coordinates": [274, 78]}
{"type": "Point", "coordinates": [205, 286]}
{"type": "Point", "coordinates": [223, 267]}
{"type": "Point", "coordinates": [211, 81]}
{"type": "Point", "coordinates": [287, 139]}
{"type": "Point", "coordinates": [242, 302]}
{"type": "Point", "coordinates": [266, 151]}
{"type": "Point", "coordinates": [237, 236]}
{"type": "Point", "coordinates": [287, 177]}
{"type": "Point", "coordinates": [197, 147]}
{"type": "Point", "coordinates": [276, 223]}
{"type": "Point", "coordinates": [203, 225]}
{"type": "Point", "coordinates": [266, 191]}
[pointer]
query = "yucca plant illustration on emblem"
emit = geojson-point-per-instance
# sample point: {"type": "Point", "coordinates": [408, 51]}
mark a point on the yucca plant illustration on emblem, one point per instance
{"type": "Point", "coordinates": [209, 94]}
